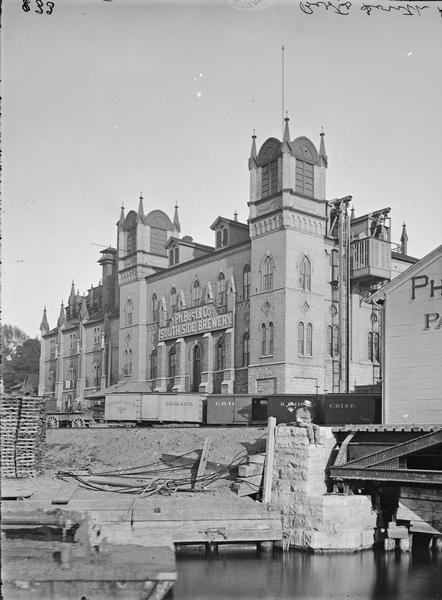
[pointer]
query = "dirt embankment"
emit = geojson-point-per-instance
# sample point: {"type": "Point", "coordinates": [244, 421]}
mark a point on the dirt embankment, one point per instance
{"type": "Point", "coordinates": [108, 449]}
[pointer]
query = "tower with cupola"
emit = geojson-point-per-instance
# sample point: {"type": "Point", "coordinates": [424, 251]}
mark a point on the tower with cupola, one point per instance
{"type": "Point", "coordinates": [287, 219]}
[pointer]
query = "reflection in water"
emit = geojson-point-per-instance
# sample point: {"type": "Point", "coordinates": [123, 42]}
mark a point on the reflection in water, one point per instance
{"type": "Point", "coordinates": [246, 575]}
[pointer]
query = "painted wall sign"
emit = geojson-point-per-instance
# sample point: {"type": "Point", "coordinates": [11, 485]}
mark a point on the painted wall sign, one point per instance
{"type": "Point", "coordinates": [423, 281]}
{"type": "Point", "coordinates": [201, 319]}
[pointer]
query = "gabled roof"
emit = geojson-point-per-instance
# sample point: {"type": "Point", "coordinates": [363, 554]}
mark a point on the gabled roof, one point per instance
{"type": "Point", "coordinates": [380, 294]}
{"type": "Point", "coordinates": [228, 221]}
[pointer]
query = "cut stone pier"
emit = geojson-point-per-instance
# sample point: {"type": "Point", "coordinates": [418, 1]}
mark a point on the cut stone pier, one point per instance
{"type": "Point", "coordinates": [312, 518]}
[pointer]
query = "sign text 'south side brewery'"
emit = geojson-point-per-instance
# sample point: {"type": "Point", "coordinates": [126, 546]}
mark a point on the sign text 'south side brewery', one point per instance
{"type": "Point", "coordinates": [193, 321]}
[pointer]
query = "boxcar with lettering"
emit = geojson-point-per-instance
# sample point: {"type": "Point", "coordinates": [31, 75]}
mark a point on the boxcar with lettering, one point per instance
{"type": "Point", "coordinates": [160, 408]}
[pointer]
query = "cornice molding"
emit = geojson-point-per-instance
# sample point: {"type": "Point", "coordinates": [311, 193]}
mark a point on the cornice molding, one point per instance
{"type": "Point", "coordinates": [191, 264]}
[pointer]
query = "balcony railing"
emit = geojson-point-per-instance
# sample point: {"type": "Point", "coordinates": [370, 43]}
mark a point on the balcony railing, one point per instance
{"type": "Point", "coordinates": [370, 259]}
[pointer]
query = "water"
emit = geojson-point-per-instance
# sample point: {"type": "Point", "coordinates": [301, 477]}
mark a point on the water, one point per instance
{"type": "Point", "coordinates": [246, 575]}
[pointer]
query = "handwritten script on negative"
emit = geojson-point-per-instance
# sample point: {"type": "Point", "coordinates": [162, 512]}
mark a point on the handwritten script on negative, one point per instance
{"type": "Point", "coordinates": [408, 9]}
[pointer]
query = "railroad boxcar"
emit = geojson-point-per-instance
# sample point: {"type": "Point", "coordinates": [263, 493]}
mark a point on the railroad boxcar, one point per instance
{"type": "Point", "coordinates": [327, 409]}
{"type": "Point", "coordinates": [151, 407]}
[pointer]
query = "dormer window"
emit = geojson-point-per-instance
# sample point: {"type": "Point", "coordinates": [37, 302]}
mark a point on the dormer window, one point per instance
{"type": "Point", "coordinates": [174, 256]}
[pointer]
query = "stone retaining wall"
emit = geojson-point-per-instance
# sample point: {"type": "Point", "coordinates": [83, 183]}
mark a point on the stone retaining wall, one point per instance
{"type": "Point", "coordinates": [312, 518]}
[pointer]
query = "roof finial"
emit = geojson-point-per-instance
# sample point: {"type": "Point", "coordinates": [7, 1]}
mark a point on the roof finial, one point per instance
{"type": "Point", "coordinates": [44, 325]}
{"type": "Point", "coordinates": [141, 207]}
{"type": "Point", "coordinates": [176, 220]}
{"type": "Point", "coordinates": [286, 136]}
{"type": "Point", "coordinates": [253, 153]}
{"type": "Point", "coordinates": [323, 158]}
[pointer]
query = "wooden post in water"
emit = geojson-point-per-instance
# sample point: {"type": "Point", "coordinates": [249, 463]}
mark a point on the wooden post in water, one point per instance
{"type": "Point", "coordinates": [268, 467]}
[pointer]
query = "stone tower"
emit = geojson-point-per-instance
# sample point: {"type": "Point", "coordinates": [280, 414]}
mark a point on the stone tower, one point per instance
{"type": "Point", "coordinates": [141, 251]}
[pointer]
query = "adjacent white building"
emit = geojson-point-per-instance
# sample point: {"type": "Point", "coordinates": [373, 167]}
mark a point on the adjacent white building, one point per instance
{"type": "Point", "coordinates": [412, 381]}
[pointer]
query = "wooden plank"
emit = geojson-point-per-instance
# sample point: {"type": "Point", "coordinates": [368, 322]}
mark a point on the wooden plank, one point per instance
{"type": "Point", "coordinates": [268, 468]}
{"type": "Point", "coordinates": [65, 493]}
{"type": "Point", "coordinates": [203, 459]}
{"type": "Point", "coordinates": [190, 460]}
{"type": "Point", "coordinates": [435, 495]}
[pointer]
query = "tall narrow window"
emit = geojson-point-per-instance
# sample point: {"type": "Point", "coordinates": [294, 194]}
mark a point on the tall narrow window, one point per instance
{"type": "Point", "coordinates": [220, 354]}
{"type": "Point", "coordinates": [370, 346]}
{"type": "Point", "coordinates": [304, 178]}
{"type": "Point", "coordinates": [171, 257]}
{"type": "Point", "coordinates": [196, 293]}
{"type": "Point", "coordinates": [305, 274]}
{"type": "Point", "coordinates": [221, 289]}
{"type": "Point", "coordinates": [301, 338]}
{"type": "Point", "coordinates": [173, 299]}
{"type": "Point", "coordinates": [96, 373]}
{"type": "Point", "coordinates": [52, 380]}
{"type": "Point", "coordinates": [376, 347]}
{"type": "Point", "coordinates": [225, 237]}
{"type": "Point", "coordinates": [335, 340]}
{"type": "Point", "coordinates": [309, 340]}
{"type": "Point", "coordinates": [172, 362]}
{"type": "Point", "coordinates": [153, 364]}
{"type": "Point", "coordinates": [263, 339]}
{"type": "Point", "coordinates": [271, 345]}
{"type": "Point", "coordinates": [130, 362]}
{"type": "Point", "coordinates": [72, 377]}
{"type": "Point", "coordinates": [155, 307]}
{"type": "Point", "coordinates": [177, 255]}
{"type": "Point", "coordinates": [245, 349]}
{"type": "Point", "coordinates": [219, 238]}
{"type": "Point", "coordinates": [269, 267]}
{"type": "Point", "coordinates": [131, 240]}
{"type": "Point", "coordinates": [129, 312]}
{"type": "Point", "coordinates": [269, 178]}
{"type": "Point", "coordinates": [329, 340]}
{"type": "Point", "coordinates": [246, 283]}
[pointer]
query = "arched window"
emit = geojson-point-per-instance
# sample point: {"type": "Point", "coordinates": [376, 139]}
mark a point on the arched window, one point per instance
{"type": "Point", "coordinates": [245, 349]}
{"type": "Point", "coordinates": [246, 282]}
{"type": "Point", "coordinates": [370, 346]}
{"type": "Point", "coordinates": [130, 362]}
{"type": "Point", "coordinates": [219, 238]}
{"type": "Point", "coordinates": [329, 340]}
{"type": "Point", "coordinates": [263, 339]}
{"type": "Point", "coordinates": [172, 362]}
{"type": "Point", "coordinates": [220, 354]}
{"type": "Point", "coordinates": [271, 338]}
{"type": "Point", "coordinates": [269, 267]}
{"type": "Point", "coordinates": [196, 293]}
{"type": "Point", "coordinates": [301, 338]}
{"type": "Point", "coordinates": [177, 255]}
{"type": "Point", "coordinates": [155, 307]}
{"type": "Point", "coordinates": [305, 274]}
{"type": "Point", "coordinates": [309, 340]}
{"type": "Point", "coordinates": [171, 257]}
{"type": "Point", "coordinates": [153, 365]}
{"type": "Point", "coordinates": [221, 289]}
{"type": "Point", "coordinates": [173, 299]}
{"type": "Point", "coordinates": [225, 237]}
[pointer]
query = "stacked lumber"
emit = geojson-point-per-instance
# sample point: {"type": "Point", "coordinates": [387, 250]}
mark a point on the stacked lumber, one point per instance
{"type": "Point", "coordinates": [250, 476]}
{"type": "Point", "coordinates": [23, 433]}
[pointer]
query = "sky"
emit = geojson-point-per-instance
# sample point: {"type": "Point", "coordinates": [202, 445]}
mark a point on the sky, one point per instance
{"type": "Point", "coordinates": [104, 100]}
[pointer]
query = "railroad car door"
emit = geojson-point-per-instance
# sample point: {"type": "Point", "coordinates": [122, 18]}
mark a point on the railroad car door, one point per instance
{"type": "Point", "coordinates": [259, 409]}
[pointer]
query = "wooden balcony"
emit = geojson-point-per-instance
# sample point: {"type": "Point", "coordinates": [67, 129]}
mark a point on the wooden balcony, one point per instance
{"type": "Point", "coordinates": [371, 259]}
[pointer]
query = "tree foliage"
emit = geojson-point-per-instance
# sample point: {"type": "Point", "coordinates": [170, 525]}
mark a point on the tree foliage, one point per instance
{"type": "Point", "coordinates": [20, 355]}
